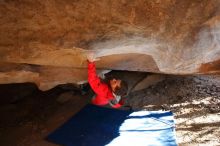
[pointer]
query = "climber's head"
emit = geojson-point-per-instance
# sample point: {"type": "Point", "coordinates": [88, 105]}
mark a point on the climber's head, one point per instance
{"type": "Point", "coordinates": [119, 87]}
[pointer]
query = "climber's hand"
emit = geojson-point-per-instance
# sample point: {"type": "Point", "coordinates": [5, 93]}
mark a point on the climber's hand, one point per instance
{"type": "Point", "coordinates": [91, 57]}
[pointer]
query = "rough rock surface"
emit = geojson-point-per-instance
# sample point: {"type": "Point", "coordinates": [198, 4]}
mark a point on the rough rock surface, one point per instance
{"type": "Point", "coordinates": [162, 36]}
{"type": "Point", "coordinates": [149, 81]}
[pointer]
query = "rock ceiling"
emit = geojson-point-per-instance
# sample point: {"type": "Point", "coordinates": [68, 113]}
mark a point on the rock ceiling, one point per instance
{"type": "Point", "coordinates": [46, 42]}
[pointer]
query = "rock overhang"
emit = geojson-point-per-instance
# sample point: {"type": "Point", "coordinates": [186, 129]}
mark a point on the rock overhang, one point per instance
{"type": "Point", "coordinates": [52, 38]}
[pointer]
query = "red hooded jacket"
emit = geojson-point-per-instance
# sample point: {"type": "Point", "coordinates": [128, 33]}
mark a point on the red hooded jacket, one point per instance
{"type": "Point", "coordinates": [103, 92]}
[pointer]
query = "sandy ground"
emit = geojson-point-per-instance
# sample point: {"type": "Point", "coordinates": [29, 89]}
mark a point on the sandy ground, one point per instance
{"type": "Point", "coordinates": [194, 100]}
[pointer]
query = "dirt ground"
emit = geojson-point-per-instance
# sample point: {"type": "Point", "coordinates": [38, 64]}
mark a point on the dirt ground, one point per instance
{"type": "Point", "coordinates": [28, 121]}
{"type": "Point", "coordinates": [194, 100]}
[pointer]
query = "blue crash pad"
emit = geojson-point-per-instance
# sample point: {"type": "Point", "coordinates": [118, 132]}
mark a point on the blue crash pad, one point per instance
{"type": "Point", "coordinates": [100, 126]}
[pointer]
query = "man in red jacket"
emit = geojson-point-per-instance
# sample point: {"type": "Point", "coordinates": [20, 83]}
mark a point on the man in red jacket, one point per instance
{"type": "Point", "coordinates": [109, 93]}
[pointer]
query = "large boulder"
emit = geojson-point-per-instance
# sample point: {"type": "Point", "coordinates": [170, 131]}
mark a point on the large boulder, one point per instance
{"type": "Point", "coordinates": [46, 42]}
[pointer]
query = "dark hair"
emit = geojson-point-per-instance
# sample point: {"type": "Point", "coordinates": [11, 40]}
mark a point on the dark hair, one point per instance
{"type": "Point", "coordinates": [122, 91]}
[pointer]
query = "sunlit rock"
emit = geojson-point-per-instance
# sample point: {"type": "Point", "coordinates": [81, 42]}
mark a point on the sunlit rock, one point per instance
{"type": "Point", "coordinates": [53, 37]}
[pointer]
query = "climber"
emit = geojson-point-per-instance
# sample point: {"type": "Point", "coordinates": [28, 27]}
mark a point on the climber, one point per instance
{"type": "Point", "coordinates": [108, 93]}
